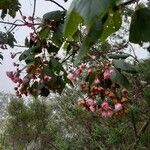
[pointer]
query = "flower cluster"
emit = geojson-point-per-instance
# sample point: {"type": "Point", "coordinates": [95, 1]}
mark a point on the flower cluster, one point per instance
{"type": "Point", "coordinates": [104, 96]}
{"type": "Point", "coordinates": [14, 76]}
{"type": "Point", "coordinates": [29, 84]}
{"type": "Point", "coordinates": [105, 109]}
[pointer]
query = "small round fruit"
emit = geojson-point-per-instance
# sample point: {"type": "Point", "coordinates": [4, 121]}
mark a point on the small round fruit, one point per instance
{"type": "Point", "coordinates": [111, 95]}
{"type": "Point", "coordinates": [124, 100]}
{"type": "Point", "coordinates": [124, 91]}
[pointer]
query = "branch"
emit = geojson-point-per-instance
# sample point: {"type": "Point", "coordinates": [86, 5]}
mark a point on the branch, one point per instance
{"type": "Point", "coordinates": [16, 24]}
{"type": "Point", "coordinates": [10, 23]}
{"type": "Point", "coordinates": [128, 3]}
{"type": "Point", "coordinates": [67, 58]}
{"type": "Point", "coordinates": [33, 14]}
{"type": "Point", "coordinates": [135, 57]}
{"type": "Point", "coordinates": [57, 4]}
{"type": "Point", "coordinates": [34, 8]}
{"type": "Point", "coordinates": [20, 46]}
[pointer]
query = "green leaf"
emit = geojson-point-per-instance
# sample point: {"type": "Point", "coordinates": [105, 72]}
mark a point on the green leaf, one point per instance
{"type": "Point", "coordinates": [1, 56]}
{"type": "Point", "coordinates": [140, 26]}
{"type": "Point", "coordinates": [57, 37]}
{"type": "Point", "coordinates": [88, 10]}
{"type": "Point", "coordinates": [119, 78]}
{"type": "Point", "coordinates": [7, 4]}
{"type": "Point", "coordinates": [7, 38]}
{"type": "Point", "coordinates": [124, 66]}
{"type": "Point", "coordinates": [53, 15]}
{"type": "Point", "coordinates": [30, 59]}
{"type": "Point", "coordinates": [3, 13]}
{"type": "Point", "coordinates": [52, 48]}
{"type": "Point", "coordinates": [49, 71]}
{"type": "Point", "coordinates": [118, 56]}
{"type": "Point", "coordinates": [112, 24]}
{"type": "Point", "coordinates": [28, 55]}
{"type": "Point", "coordinates": [24, 55]}
{"type": "Point", "coordinates": [60, 84]}
{"type": "Point", "coordinates": [35, 49]}
{"type": "Point", "coordinates": [56, 65]}
{"type": "Point", "coordinates": [27, 43]}
{"type": "Point", "coordinates": [11, 39]}
{"type": "Point", "coordinates": [9, 7]}
{"type": "Point", "coordinates": [71, 23]}
{"type": "Point", "coordinates": [91, 9]}
{"type": "Point", "coordinates": [44, 33]}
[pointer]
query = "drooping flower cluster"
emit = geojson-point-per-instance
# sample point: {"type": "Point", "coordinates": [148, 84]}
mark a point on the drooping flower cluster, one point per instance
{"type": "Point", "coordinates": [102, 92]}
{"type": "Point", "coordinates": [30, 83]}
{"type": "Point", "coordinates": [14, 76]}
{"type": "Point", "coordinates": [105, 109]}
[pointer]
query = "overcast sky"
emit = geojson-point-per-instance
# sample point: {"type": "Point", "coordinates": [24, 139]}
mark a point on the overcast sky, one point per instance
{"type": "Point", "coordinates": [43, 7]}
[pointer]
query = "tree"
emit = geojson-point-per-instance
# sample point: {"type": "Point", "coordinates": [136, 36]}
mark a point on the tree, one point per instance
{"type": "Point", "coordinates": [92, 35]}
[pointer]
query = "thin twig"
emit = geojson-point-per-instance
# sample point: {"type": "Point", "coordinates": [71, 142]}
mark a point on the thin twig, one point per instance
{"type": "Point", "coordinates": [67, 58]}
{"type": "Point", "coordinates": [128, 2]}
{"type": "Point", "coordinates": [20, 46]}
{"type": "Point", "coordinates": [57, 4]}
{"type": "Point", "coordinates": [11, 23]}
{"type": "Point", "coordinates": [143, 128]}
{"type": "Point", "coordinates": [134, 125]}
{"type": "Point", "coordinates": [33, 15]}
{"type": "Point", "coordinates": [20, 12]}
{"type": "Point", "coordinates": [11, 28]}
{"type": "Point", "coordinates": [17, 24]}
{"type": "Point", "coordinates": [135, 57]}
{"type": "Point", "coordinates": [34, 8]}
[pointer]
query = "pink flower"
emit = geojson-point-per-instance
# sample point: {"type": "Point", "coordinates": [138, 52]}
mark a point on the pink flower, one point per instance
{"type": "Point", "coordinates": [30, 18]}
{"type": "Point", "coordinates": [82, 66]}
{"type": "Point", "coordinates": [10, 74]}
{"type": "Point", "coordinates": [20, 81]}
{"type": "Point", "coordinates": [92, 108]}
{"type": "Point", "coordinates": [24, 17]}
{"type": "Point", "coordinates": [118, 107]}
{"type": "Point", "coordinates": [47, 78]}
{"type": "Point", "coordinates": [96, 81]}
{"type": "Point", "coordinates": [90, 71]}
{"type": "Point", "coordinates": [107, 113]}
{"type": "Point", "coordinates": [107, 74]}
{"type": "Point", "coordinates": [25, 80]}
{"type": "Point", "coordinates": [15, 79]}
{"type": "Point", "coordinates": [105, 106]}
{"type": "Point", "coordinates": [70, 76]}
{"type": "Point", "coordinates": [12, 55]}
{"type": "Point", "coordinates": [106, 110]}
{"type": "Point", "coordinates": [90, 102]}
{"type": "Point", "coordinates": [78, 72]}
